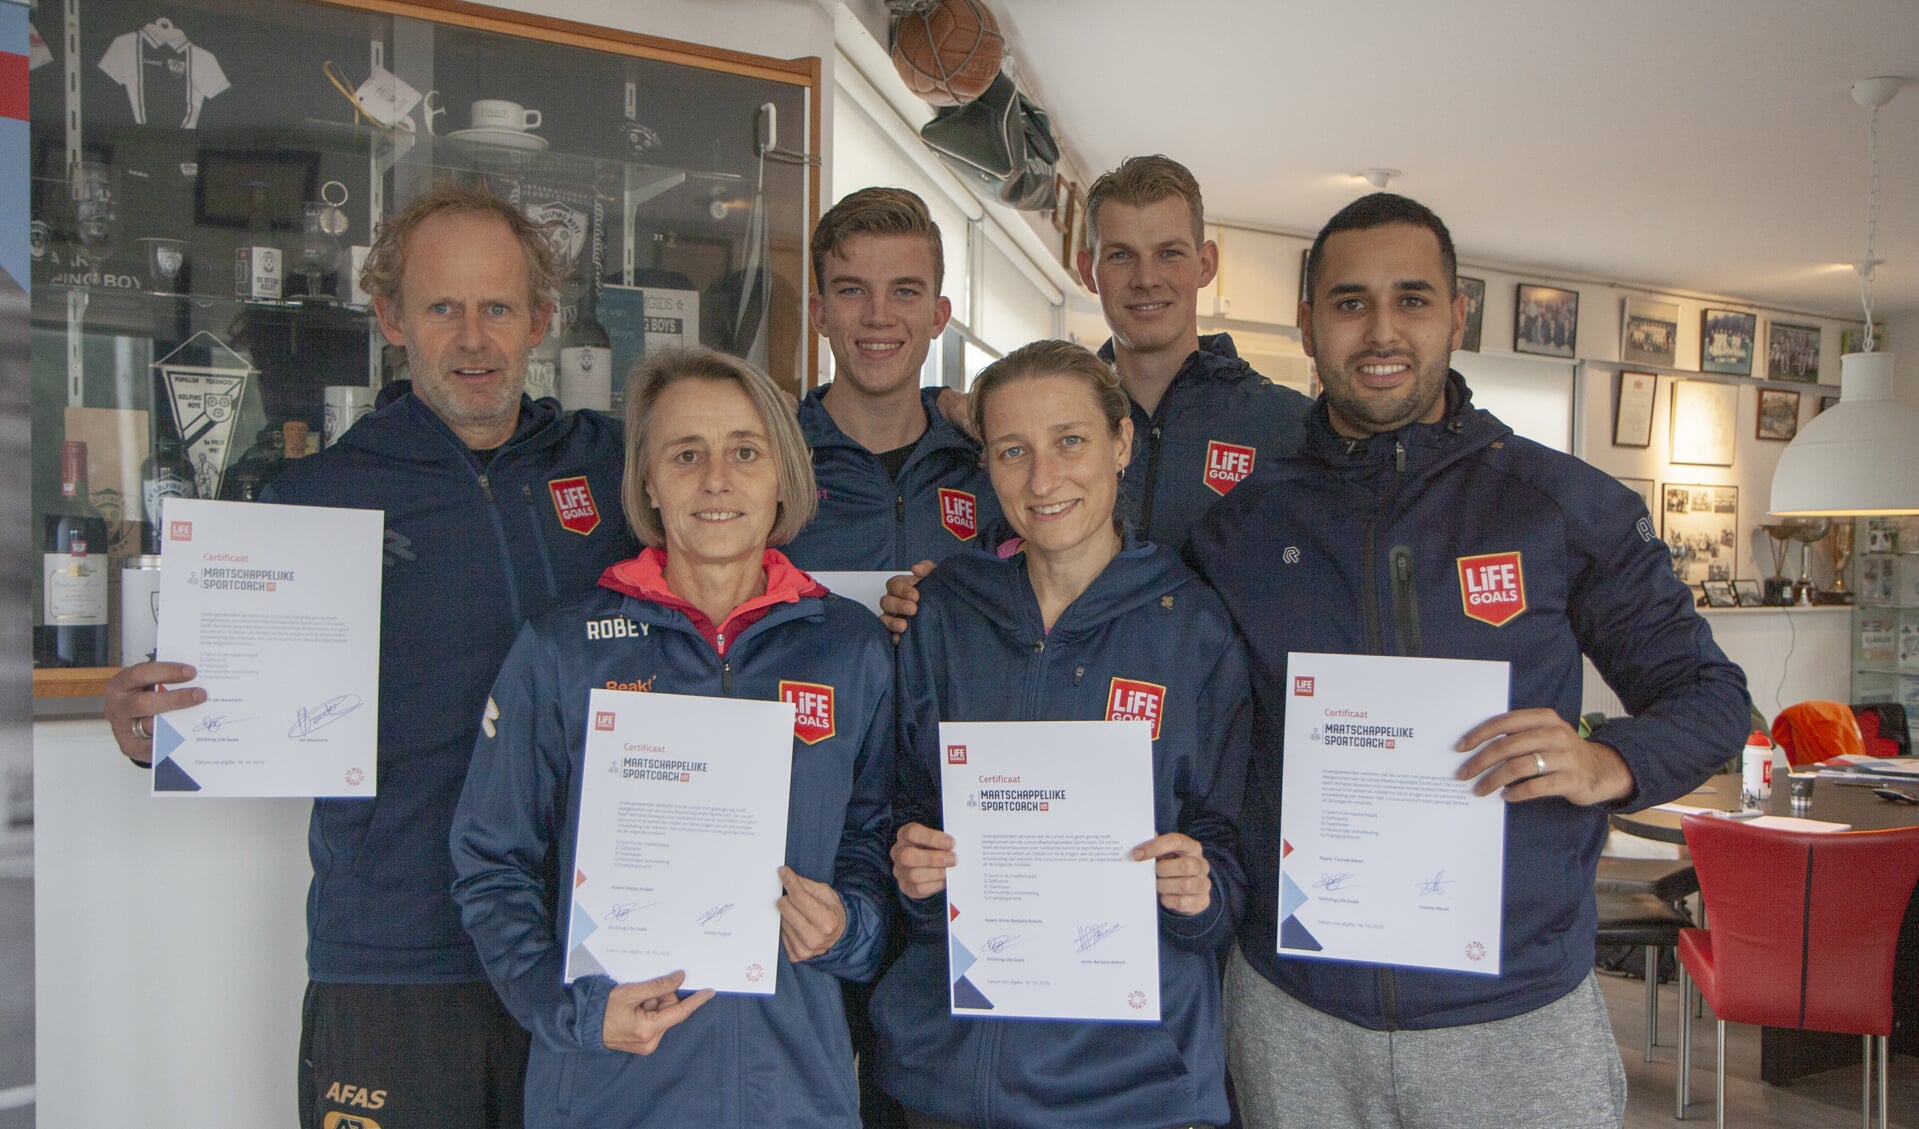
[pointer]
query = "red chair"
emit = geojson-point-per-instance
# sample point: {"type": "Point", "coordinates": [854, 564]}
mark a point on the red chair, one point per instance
{"type": "Point", "coordinates": [1804, 925]}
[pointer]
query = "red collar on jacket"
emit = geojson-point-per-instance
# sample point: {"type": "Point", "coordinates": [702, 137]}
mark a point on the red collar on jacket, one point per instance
{"type": "Point", "coordinates": [644, 578]}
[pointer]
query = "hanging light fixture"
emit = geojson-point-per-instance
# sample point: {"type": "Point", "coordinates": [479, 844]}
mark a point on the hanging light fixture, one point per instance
{"type": "Point", "coordinates": [1859, 458]}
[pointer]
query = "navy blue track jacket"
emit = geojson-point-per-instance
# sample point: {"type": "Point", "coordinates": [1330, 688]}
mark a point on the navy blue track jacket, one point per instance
{"type": "Point", "coordinates": [977, 652]}
{"type": "Point", "coordinates": [1365, 547]}
{"type": "Point", "coordinates": [940, 504]}
{"type": "Point", "coordinates": [1218, 422]}
{"type": "Point", "coordinates": [470, 555]}
{"type": "Point", "coordinates": [740, 1062]}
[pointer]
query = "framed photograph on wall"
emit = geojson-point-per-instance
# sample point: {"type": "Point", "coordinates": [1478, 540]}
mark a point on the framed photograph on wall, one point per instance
{"type": "Point", "coordinates": [1778, 415]}
{"type": "Point", "coordinates": [1700, 525]}
{"type": "Point", "coordinates": [1647, 492]}
{"type": "Point", "coordinates": [1632, 409]}
{"type": "Point", "coordinates": [1475, 291]}
{"type": "Point", "coordinates": [1854, 340]}
{"type": "Point", "coordinates": [1704, 421]}
{"type": "Point", "coordinates": [1792, 352]}
{"type": "Point", "coordinates": [1719, 594]}
{"type": "Point", "coordinates": [1725, 341]}
{"type": "Point", "coordinates": [1651, 335]}
{"type": "Point", "coordinates": [1545, 320]}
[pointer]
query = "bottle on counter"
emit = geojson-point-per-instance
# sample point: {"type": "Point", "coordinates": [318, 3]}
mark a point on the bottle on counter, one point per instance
{"type": "Point", "coordinates": [166, 473]}
{"type": "Point", "coordinates": [586, 360]}
{"type": "Point", "coordinates": [73, 571]}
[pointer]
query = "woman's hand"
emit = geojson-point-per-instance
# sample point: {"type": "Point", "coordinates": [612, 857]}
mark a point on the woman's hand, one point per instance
{"type": "Point", "coordinates": [921, 857]}
{"type": "Point", "coordinates": [812, 917]}
{"type": "Point", "coordinates": [1185, 878]}
{"type": "Point", "coordinates": [638, 1015]}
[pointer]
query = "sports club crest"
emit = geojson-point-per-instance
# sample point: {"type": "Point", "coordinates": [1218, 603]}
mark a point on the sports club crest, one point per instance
{"type": "Point", "coordinates": [1227, 465]}
{"type": "Point", "coordinates": [959, 513]}
{"type": "Point", "coordinates": [812, 710]}
{"type": "Point", "coordinates": [1128, 699]}
{"type": "Point", "coordinates": [573, 501]}
{"type": "Point", "coordinates": [1492, 587]}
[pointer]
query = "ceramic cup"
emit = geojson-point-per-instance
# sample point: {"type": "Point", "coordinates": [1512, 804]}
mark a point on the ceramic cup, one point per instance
{"type": "Point", "coordinates": [498, 113]}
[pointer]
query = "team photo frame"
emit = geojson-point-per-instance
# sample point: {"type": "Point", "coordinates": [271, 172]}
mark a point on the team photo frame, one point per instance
{"type": "Point", "coordinates": [1792, 352]}
{"type": "Point", "coordinates": [1545, 321]}
{"type": "Point", "coordinates": [1726, 341]}
{"type": "Point", "coordinates": [1651, 333]}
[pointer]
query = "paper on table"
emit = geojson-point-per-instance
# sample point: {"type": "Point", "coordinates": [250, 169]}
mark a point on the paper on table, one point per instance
{"type": "Point", "coordinates": [1384, 856]}
{"type": "Point", "coordinates": [1048, 916]}
{"type": "Point", "coordinates": [682, 831]}
{"type": "Point", "coordinates": [1794, 823]}
{"type": "Point", "coordinates": [278, 608]}
{"type": "Point", "coordinates": [864, 588]}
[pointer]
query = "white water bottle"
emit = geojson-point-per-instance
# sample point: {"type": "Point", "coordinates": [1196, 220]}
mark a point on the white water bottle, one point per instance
{"type": "Point", "coordinates": [1755, 784]}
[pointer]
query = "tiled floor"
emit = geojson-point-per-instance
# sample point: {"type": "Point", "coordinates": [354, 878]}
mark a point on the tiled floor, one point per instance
{"type": "Point", "coordinates": [1822, 1101]}
{"type": "Point", "coordinates": [1825, 1100]}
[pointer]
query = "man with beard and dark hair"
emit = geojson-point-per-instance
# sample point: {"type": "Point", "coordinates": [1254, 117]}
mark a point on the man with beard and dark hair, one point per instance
{"type": "Point", "coordinates": [1359, 544]}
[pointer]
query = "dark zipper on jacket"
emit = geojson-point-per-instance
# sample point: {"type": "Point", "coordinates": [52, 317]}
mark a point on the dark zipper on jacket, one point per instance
{"type": "Point", "coordinates": [506, 549]}
{"type": "Point", "coordinates": [1152, 484]}
{"type": "Point", "coordinates": [726, 664]}
{"type": "Point", "coordinates": [539, 542]}
{"type": "Point", "coordinates": [1405, 600]}
{"type": "Point", "coordinates": [1388, 986]}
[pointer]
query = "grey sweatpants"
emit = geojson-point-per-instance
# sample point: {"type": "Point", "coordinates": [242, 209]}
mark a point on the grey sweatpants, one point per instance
{"type": "Point", "coordinates": [1294, 1067]}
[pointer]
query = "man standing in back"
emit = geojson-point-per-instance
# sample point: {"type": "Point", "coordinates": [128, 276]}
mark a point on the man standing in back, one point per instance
{"type": "Point", "coordinates": [898, 484]}
{"type": "Point", "coordinates": [1203, 420]}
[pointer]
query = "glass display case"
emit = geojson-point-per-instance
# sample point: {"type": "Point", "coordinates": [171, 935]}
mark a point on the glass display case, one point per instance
{"type": "Point", "coordinates": [206, 176]}
{"type": "Point", "coordinates": [1885, 618]}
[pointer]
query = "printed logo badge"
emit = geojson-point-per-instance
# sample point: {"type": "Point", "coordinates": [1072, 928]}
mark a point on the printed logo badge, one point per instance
{"type": "Point", "coordinates": [1302, 686]}
{"type": "Point", "coordinates": [337, 1120]}
{"type": "Point", "coordinates": [1128, 699]}
{"type": "Point", "coordinates": [1492, 587]}
{"type": "Point", "coordinates": [956, 754]}
{"type": "Point", "coordinates": [959, 513]}
{"type": "Point", "coordinates": [1227, 464]}
{"type": "Point", "coordinates": [179, 531]}
{"type": "Point", "coordinates": [812, 710]}
{"type": "Point", "coordinates": [573, 501]}
{"type": "Point", "coordinates": [603, 721]}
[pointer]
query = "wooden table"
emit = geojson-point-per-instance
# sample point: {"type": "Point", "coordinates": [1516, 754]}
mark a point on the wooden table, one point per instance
{"type": "Point", "coordinates": [1786, 1053]}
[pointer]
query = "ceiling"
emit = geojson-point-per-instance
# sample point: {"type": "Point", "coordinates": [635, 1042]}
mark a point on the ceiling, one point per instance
{"type": "Point", "coordinates": [1709, 146]}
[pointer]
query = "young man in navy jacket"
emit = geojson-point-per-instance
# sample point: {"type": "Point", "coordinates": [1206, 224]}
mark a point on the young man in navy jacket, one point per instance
{"type": "Point", "coordinates": [1202, 418]}
{"type": "Point", "coordinates": [1362, 543]}
{"type": "Point", "coordinates": [898, 483]}
{"type": "Point", "coordinates": [496, 506]}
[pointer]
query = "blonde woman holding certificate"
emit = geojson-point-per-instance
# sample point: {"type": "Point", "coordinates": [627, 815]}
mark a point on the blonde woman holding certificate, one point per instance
{"type": "Point", "coordinates": [716, 475]}
{"type": "Point", "coordinates": [1064, 622]}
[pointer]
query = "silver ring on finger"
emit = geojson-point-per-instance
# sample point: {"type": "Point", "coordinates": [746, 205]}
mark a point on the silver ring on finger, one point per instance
{"type": "Point", "coordinates": [1539, 762]}
{"type": "Point", "coordinates": [139, 728]}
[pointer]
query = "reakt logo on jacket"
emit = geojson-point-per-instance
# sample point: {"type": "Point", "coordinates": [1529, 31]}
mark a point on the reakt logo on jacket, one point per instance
{"type": "Point", "coordinates": [1128, 699]}
{"type": "Point", "coordinates": [573, 501]}
{"type": "Point", "coordinates": [1492, 587]}
{"type": "Point", "coordinates": [1227, 465]}
{"type": "Point", "coordinates": [812, 710]}
{"type": "Point", "coordinates": [959, 513]}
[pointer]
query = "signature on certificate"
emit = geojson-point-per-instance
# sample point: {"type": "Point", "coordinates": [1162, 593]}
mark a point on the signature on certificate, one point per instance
{"type": "Point", "coordinates": [626, 909]}
{"type": "Point", "coordinates": [1435, 885]}
{"type": "Point", "coordinates": [715, 913]}
{"type": "Point", "coordinates": [1340, 881]}
{"type": "Point", "coordinates": [1093, 934]}
{"type": "Point", "coordinates": [214, 724]}
{"type": "Point", "coordinates": [1000, 943]}
{"type": "Point", "coordinates": [324, 714]}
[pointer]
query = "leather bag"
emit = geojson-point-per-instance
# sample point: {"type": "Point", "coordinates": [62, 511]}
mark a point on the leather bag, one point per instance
{"type": "Point", "coordinates": [1003, 142]}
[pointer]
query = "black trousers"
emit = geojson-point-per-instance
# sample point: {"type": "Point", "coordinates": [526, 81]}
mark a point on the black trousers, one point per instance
{"type": "Point", "coordinates": [410, 1056]}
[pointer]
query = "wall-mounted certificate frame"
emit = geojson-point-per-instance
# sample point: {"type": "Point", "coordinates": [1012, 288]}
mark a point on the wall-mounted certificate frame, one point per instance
{"type": "Point", "coordinates": [1632, 409]}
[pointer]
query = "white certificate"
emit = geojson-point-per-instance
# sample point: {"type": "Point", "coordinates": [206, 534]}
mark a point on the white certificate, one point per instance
{"type": "Point", "coordinates": [682, 833]}
{"type": "Point", "coordinates": [278, 607]}
{"type": "Point", "coordinates": [865, 587]}
{"type": "Point", "coordinates": [1048, 916]}
{"type": "Point", "coordinates": [1384, 856]}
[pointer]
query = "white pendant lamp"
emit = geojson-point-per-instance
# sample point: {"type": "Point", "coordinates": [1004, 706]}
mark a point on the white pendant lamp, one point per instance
{"type": "Point", "coordinates": [1859, 458]}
